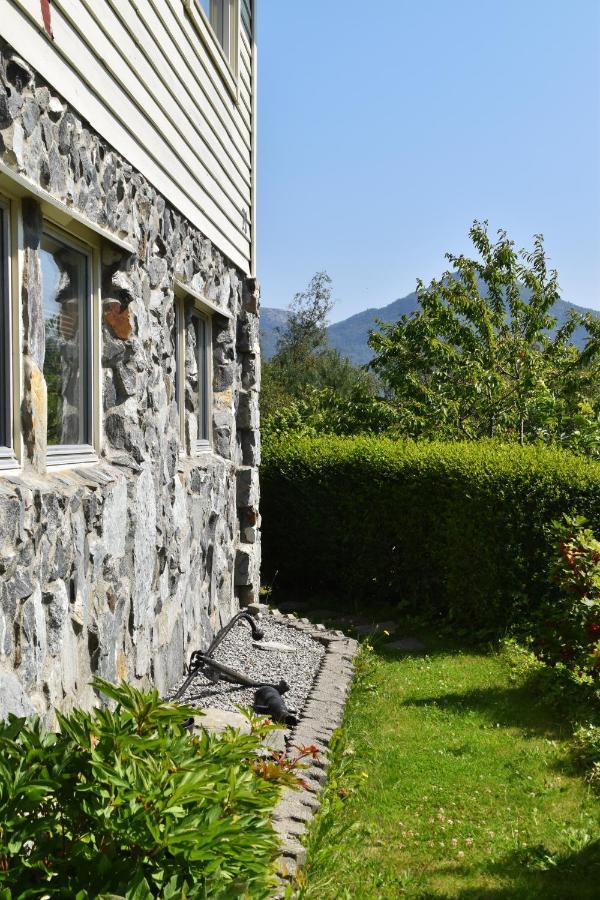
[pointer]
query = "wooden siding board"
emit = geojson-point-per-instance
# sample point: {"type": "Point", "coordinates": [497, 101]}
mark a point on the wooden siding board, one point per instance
{"type": "Point", "coordinates": [185, 30]}
{"type": "Point", "coordinates": [156, 66]}
{"type": "Point", "coordinates": [246, 42]}
{"type": "Point", "coordinates": [94, 70]}
{"type": "Point", "coordinates": [245, 97]}
{"type": "Point", "coordinates": [117, 60]}
{"type": "Point", "coordinates": [183, 51]}
{"type": "Point", "coordinates": [22, 26]}
{"type": "Point", "coordinates": [245, 71]}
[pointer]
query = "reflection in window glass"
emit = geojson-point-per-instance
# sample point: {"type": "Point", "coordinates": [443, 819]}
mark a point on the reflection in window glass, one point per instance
{"type": "Point", "coordinates": [202, 366]}
{"type": "Point", "coordinates": [4, 346]}
{"type": "Point", "coordinates": [196, 380]}
{"type": "Point", "coordinates": [65, 279]}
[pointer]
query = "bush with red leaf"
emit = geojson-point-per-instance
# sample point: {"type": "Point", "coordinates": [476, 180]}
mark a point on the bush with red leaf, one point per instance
{"type": "Point", "coordinates": [569, 627]}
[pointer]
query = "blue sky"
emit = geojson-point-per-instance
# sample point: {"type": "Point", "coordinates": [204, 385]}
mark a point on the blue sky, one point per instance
{"type": "Point", "coordinates": [386, 127]}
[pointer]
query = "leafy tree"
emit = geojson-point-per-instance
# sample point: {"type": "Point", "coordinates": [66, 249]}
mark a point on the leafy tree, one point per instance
{"type": "Point", "coordinates": [306, 378]}
{"type": "Point", "coordinates": [306, 330]}
{"type": "Point", "coordinates": [479, 359]}
{"type": "Point", "coordinates": [328, 411]}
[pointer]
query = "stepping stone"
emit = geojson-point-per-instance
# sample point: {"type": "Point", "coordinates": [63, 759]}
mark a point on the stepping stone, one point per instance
{"type": "Point", "coordinates": [320, 615]}
{"type": "Point", "coordinates": [375, 628]}
{"type": "Point", "coordinates": [407, 645]}
{"type": "Point", "coordinates": [292, 605]}
{"type": "Point", "coordinates": [274, 647]}
{"type": "Point", "coordinates": [215, 719]}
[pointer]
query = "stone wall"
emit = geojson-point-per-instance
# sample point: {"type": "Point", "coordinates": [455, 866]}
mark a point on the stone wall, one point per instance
{"type": "Point", "coordinates": [121, 568]}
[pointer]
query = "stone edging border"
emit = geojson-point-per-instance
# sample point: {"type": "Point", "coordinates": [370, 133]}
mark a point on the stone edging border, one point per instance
{"type": "Point", "coordinates": [322, 714]}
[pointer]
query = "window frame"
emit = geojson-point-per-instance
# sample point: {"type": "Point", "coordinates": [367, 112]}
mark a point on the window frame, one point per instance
{"type": "Point", "coordinates": [77, 454]}
{"type": "Point", "coordinates": [188, 307]}
{"type": "Point", "coordinates": [226, 61]}
{"type": "Point", "coordinates": [75, 225]}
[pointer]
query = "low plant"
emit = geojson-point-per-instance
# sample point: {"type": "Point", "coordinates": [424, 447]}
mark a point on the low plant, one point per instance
{"type": "Point", "coordinates": [569, 629]}
{"type": "Point", "coordinates": [586, 740]}
{"type": "Point", "coordinates": [123, 802]}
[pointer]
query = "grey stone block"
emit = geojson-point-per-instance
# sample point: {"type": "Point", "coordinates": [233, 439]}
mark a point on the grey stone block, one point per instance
{"type": "Point", "coordinates": [13, 697]}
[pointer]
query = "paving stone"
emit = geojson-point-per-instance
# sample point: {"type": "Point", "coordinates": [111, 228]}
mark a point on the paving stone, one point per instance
{"type": "Point", "coordinates": [216, 720]}
{"type": "Point", "coordinates": [293, 849]}
{"type": "Point", "coordinates": [286, 868]}
{"type": "Point", "coordinates": [289, 828]}
{"type": "Point", "coordinates": [407, 645]}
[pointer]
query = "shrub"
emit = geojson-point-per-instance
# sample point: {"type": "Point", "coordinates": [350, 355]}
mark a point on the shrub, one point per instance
{"type": "Point", "coordinates": [457, 530]}
{"type": "Point", "coordinates": [326, 411]}
{"type": "Point", "coordinates": [586, 742]}
{"type": "Point", "coordinates": [126, 803]}
{"type": "Point", "coordinates": [569, 623]}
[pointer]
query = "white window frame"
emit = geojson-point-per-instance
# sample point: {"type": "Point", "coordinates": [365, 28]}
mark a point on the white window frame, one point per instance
{"type": "Point", "coordinates": [74, 226]}
{"type": "Point", "coordinates": [225, 58]}
{"type": "Point", "coordinates": [75, 454]}
{"type": "Point", "coordinates": [188, 305]}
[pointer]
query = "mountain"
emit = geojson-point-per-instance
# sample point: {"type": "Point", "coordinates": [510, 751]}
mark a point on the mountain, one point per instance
{"type": "Point", "coordinates": [350, 336]}
{"type": "Point", "coordinates": [270, 320]}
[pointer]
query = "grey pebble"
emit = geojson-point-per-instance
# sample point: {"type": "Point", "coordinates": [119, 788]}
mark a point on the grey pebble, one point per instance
{"type": "Point", "coordinates": [297, 665]}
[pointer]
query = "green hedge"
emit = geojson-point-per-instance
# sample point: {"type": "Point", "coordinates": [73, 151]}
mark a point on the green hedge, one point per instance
{"type": "Point", "coordinates": [455, 529]}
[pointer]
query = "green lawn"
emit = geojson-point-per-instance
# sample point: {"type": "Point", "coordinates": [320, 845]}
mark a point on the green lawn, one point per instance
{"type": "Point", "coordinates": [453, 778]}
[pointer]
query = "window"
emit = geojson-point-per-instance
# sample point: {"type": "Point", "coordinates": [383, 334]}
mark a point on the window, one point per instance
{"type": "Point", "coordinates": [221, 15]}
{"type": "Point", "coordinates": [6, 456]}
{"type": "Point", "coordinates": [193, 375]}
{"type": "Point", "coordinates": [67, 308]}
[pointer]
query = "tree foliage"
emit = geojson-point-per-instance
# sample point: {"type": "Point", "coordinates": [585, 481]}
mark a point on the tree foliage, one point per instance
{"type": "Point", "coordinates": [481, 358]}
{"type": "Point", "coordinates": [308, 386]}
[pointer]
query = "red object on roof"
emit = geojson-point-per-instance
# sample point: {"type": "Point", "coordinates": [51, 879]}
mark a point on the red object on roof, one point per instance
{"type": "Point", "coordinates": [46, 16]}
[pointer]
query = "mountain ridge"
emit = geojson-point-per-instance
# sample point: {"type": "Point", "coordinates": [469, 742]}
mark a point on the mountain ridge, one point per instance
{"type": "Point", "coordinates": [349, 337]}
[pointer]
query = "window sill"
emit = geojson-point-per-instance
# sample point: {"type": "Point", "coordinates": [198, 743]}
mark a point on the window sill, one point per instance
{"type": "Point", "coordinates": [70, 456]}
{"type": "Point", "coordinates": [203, 455]}
{"type": "Point", "coordinates": [8, 460]}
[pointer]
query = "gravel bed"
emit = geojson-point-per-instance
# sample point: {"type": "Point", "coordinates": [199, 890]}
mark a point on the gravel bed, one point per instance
{"type": "Point", "coordinates": [298, 668]}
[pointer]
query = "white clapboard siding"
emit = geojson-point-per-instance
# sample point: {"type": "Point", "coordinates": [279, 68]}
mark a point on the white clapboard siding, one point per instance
{"type": "Point", "coordinates": [156, 71]}
{"type": "Point", "coordinates": [140, 73]}
{"type": "Point", "coordinates": [194, 46]}
{"type": "Point", "coordinates": [182, 52]}
{"type": "Point", "coordinates": [123, 68]}
{"type": "Point", "coordinates": [245, 64]}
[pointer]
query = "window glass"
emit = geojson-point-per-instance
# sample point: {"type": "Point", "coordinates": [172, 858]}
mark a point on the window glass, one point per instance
{"type": "Point", "coordinates": [218, 22]}
{"type": "Point", "coordinates": [197, 373]}
{"type": "Point", "coordinates": [219, 14]}
{"type": "Point", "coordinates": [201, 329]}
{"type": "Point", "coordinates": [4, 332]}
{"type": "Point", "coordinates": [65, 279]}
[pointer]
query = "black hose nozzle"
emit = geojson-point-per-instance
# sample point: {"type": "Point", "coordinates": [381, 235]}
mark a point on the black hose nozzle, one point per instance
{"type": "Point", "coordinates": [268, 700]}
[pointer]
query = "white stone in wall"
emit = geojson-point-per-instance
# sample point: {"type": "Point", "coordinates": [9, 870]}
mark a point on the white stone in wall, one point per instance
{"type": "Point", "coordinates": [114, 520]}
{"type": "Point", "coordinates": [144, 558]}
